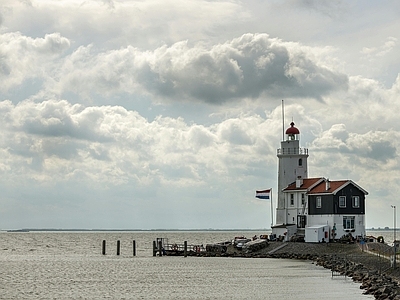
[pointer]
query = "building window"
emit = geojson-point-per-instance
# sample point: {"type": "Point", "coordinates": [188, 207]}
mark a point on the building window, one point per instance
{"type": "Point", "coordinates": [291, 199]}
{"type": "Point", "coordinates": [300, 162]}
{"type": "Point", "coordinates": [356, 201]}
{"type": "Point", "coordinates": [348, 222]}
{"type": "Point", "coordinates": [318, 202]}
{"type": "Point", "coordinates": [342, 201]}
{"type": "Point", "coordinates": [303, 199]}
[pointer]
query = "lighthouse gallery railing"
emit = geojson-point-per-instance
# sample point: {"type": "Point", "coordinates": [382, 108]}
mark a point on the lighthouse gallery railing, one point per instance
{"type": "Point", "coordinates": [293, 151]}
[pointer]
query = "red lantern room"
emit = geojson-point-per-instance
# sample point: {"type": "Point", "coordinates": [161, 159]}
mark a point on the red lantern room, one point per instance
{"type": "Point", "coordinates": [292, 132]}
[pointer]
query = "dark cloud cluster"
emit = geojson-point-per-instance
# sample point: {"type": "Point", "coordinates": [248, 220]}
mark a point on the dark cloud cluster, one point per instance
{"type": "Point", "coordinates": [245, 67]}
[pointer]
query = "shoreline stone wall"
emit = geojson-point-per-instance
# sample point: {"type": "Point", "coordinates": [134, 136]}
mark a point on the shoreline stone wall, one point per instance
{"type": "Point", "coordinates": [372, 271]}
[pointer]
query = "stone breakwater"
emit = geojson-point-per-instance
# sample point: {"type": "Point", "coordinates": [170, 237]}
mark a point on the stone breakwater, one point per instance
{"type": "Point", "coordinates": [373, 272]}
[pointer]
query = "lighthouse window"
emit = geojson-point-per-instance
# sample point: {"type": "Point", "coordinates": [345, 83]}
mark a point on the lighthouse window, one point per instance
{"type": "Point", "coordinates": [302, 199]}
{"type": "Point", "coordinates": [356, 201]}
{"type": "Point", "coordinates": [318, 202]}
{"type": "Point", "coordinates": [342, 201]}
{"type": "Point", "coordinates": [291, 199]}
{"type": "Point", "coordinates": [348, 222]}
{"type": "Point", "coordinates": [300, 162]}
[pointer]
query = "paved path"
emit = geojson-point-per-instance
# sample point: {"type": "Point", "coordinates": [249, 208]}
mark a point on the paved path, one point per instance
{"type": "Point", "coordinates": [278, 248]}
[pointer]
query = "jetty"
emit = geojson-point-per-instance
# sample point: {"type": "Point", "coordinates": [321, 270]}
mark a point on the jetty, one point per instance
{"type": "Point", "coordinates": [162, 246]}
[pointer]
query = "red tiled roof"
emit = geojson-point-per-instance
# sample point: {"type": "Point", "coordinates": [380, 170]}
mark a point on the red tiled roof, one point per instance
{"type": "Point", "coordinates": [318, 186]}
{"type": "Point", "coordinates": [334, 185]}
{"type": "Point", "coordinates": [307, 183]}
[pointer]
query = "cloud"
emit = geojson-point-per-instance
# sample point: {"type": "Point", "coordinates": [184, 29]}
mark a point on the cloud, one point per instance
{"type": "Point", "coordinates": [234, 132]}
{"type": "Point", "coordinates": [371, 150]}
{"type": "Point", "coordinates": [55, 140]}
{"type": "Point", "coordinates": [329, 8]}
{"type": "Point", "coordinates": [24, 57]}
{"type": "Point", "coordinates": [380, 51]}
{"type": "Point", "coordinates": [248, 66]}
{"type": "Point", "coordinates": [114, 24]}
{"type": "Point", "coordinates": [245, 67]}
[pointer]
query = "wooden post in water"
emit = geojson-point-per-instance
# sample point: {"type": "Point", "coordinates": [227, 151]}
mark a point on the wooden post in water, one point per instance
{"type": "Point", "coordinates": [134, 248]}
{"type": "Point", "coordinates": [118, 247]}
{"type": "Point", "coordinates": [103, 247]}
{"type": "Point", "coordinates": [185, 248]}
{"type": "Point", "coordinates": [160, 248]}
{"type": "Point", "coordinates": [154, 248]}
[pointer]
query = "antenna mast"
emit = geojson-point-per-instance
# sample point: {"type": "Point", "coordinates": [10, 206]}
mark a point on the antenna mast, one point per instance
{"type": "Point", "coordinates": [283, 122]}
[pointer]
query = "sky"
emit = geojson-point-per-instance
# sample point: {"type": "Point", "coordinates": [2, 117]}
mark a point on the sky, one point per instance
{"type": "Point", "coordinates": [165, 114]}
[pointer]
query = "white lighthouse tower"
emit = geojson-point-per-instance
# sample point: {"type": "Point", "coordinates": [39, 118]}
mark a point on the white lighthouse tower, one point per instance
{"type": "Point", "coordinates": [292, 166]}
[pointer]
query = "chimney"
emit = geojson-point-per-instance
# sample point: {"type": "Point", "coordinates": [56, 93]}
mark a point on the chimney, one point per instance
{"type": "Point", "coordinates": [327, 184]}
{"type": "Point", "coordinates": [299, 182]}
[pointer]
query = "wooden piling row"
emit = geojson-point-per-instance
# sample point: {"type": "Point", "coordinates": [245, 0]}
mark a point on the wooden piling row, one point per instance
{"type": "Point", "coordinates": [103, 247]}
{"type": "Point", "coordinates": [157, 248]}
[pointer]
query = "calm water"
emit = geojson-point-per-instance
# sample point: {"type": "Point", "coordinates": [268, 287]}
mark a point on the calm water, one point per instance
{"type": "Point", "coordinates": [68, 265]}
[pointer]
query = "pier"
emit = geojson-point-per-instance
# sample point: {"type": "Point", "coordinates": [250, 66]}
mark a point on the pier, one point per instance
{"type": "Point", "coordinates": [161, 246]}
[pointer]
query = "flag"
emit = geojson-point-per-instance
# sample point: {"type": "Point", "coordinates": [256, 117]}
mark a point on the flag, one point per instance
{"type": "Point", "coordinates": [265, 194]}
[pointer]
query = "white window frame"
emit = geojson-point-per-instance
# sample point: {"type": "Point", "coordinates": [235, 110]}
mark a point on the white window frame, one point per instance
{"type": "Point", "coordinates": [318, 202]}
{"type": "Point", "coordinates": [344, 201]}
{"type": "Point", "coordinates": [349, 222]}
{"type": "Point", "coordinates": [355, 201]}
{"type": "Point", "coordinates": [303, 199]}
{"type": "Point", "coordinates": [291, 200]}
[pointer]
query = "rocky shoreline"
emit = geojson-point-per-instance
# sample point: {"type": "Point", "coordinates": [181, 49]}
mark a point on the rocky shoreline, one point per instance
{"type": "Point", "coordinates": [371, 269]}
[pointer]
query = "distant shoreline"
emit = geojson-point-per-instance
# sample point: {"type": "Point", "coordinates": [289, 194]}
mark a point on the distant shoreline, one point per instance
{"type": "Point", "coordinates": [145, 230]}
{"type": "Point", "coordinates": [149, 230]}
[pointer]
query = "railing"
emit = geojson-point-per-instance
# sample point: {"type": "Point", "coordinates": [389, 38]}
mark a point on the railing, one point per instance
{"type": "Point", "coordinates": [293, 151]}
{"type": "Point", "coordinates": [181, 247]}
{"type": "Point", "coordinates": [385, 254]}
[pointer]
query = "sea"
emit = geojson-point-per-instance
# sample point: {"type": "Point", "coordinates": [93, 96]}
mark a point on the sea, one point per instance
{"type": "Point", "coordinates": [70, 265]}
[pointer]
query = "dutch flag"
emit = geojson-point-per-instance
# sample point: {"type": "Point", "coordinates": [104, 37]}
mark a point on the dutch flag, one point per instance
{"type": "Point", "coordinates": [265, 194]}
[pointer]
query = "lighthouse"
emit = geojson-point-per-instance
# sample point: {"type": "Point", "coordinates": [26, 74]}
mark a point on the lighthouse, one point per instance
{"type": "Point", "coordinates": [314, 209]}
{"type": "Point", "coordinates": [292, 167]}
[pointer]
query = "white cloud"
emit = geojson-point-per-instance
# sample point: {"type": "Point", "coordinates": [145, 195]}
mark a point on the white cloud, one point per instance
{"type": "Point", "coordinates": [25, 57]}
{"type": "Point", "coordinates": [388, 46]}
{"type": "Point", "coordinates": [110, 143]}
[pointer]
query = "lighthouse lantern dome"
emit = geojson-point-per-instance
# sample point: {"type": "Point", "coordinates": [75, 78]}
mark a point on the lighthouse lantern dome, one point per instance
{"type": "Point", "coordinates": [292, 132]}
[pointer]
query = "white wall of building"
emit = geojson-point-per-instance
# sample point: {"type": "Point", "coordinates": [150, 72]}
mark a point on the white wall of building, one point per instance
{"type": "Point", "coordinates": [336, 221]}
{"type": "Point", "coordinates": [295, 207]}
